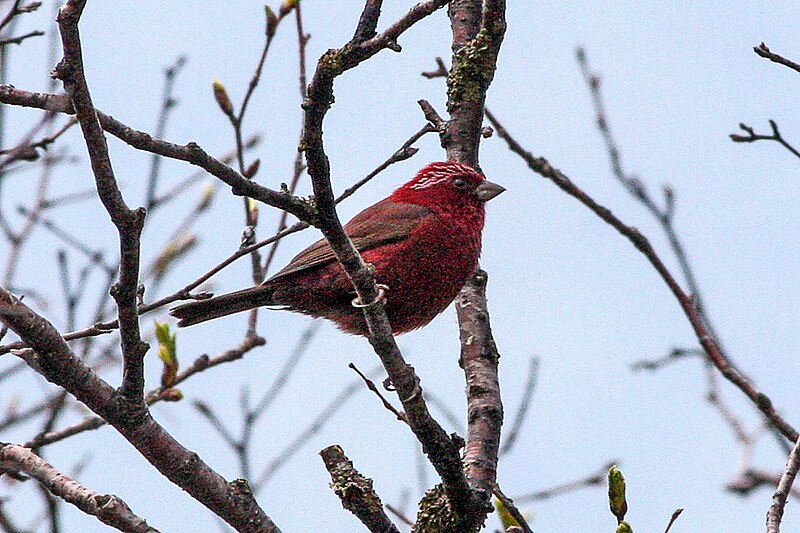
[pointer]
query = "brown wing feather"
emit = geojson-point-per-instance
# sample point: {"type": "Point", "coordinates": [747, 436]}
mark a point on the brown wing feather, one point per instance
{"type": "Point", "coordinates": [383, 223]}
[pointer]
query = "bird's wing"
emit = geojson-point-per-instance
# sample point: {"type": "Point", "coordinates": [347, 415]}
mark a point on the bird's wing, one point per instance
{"type": "Point", "coordinates": [383, 223]}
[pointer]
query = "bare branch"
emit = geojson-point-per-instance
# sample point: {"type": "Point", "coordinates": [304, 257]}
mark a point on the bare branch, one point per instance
{"type": "Point", "coordinates": [479, 358]}
{"type": "Point", "coordinates": [20, 38]}
{"type": "Point", "coordinates": [775, 513]}
{"type": "Point", "coordinates": [191, 153]}
{"type": "Point", "coordinates": [233, 502]}
{"type": "Point", "coordinates": [129, 222]}
{"type": "Point", "coordinates": [312, 429]}
{"type": "Point", "coordinates": [168, 103]}
{"type": "Point", "coordinates": [371, 386]}
{"type": "Point", "coordinates": [542, 167]}
{"type": "Point", "coordinates": [478, 30]}
{"type": "Point", "coordinates": [108, 508]}
{"type": "Point", "coordinates": [356, 491]}
{"type": "Point", "coordinates": [676, 354]}
{"type": "Point", "coordinates": [522, 410]}
{"type": "Point", "coordinates": [765, 52]}
{"type": "Point", "coordinates": [752, 136]}
{"type": "Point", "coordinates": [592, 480]}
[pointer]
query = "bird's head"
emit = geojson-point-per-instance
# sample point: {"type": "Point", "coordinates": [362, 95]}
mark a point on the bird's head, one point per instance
{"type": "Point", "coordinates": [448, 187]}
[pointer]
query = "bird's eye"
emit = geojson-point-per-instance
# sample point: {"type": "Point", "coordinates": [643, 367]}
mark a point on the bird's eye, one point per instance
{"type": "Point", "coordinates": [460, 183]}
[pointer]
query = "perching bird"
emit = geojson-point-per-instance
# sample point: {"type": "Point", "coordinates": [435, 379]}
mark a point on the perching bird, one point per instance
{"type": "Point", "coordinates": [423, 242]}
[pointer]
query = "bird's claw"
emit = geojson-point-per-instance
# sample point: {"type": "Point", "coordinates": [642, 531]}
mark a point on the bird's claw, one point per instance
{"type": "Point", "coordinates": [380, 299]}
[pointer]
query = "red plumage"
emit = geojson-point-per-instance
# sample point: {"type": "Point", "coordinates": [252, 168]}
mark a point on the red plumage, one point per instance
{"type": "Point", "coordinates": [423, 241]}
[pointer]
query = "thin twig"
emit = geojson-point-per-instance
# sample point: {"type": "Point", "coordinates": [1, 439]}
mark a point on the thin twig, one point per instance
{"type": "Point", "coordinates": [752, 136]}
{"type": "Point", "coordinates": [168, 103]}
{"type": "Point", "coordinates": [775, 513]}
{"type": "Point", "coordinates": [313, 428]}
{"type": "Point", "coordinates": [592, 480]}
{"type": "Point", "coordinates": [371, 386]}
{"type": "Point", "coordinates": [672, 519]}
{"type": "Point", "coordinates": [765, 52]}
{"type": "Point", "coordinates": [676, 354]}
{"type": "Point", "coordinates": [524, 406]}
{"type": "Point", "coordinates": [20, 38]}
{"type": "Point", "coordinates": [508, 504]}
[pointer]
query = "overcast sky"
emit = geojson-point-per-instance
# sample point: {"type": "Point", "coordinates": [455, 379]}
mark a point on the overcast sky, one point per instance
{"type": "Point", "coordinates": [678, 78]}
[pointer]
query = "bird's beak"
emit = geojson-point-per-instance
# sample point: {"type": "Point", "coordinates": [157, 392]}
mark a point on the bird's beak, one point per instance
{"type": "Point", "coordinates": [487, 190]}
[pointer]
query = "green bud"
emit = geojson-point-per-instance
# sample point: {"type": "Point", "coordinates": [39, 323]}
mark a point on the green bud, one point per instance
{"type": "Point", "coordinates": [167, 353]}
{"type": "Point", "coordinates": [287, 6]}
{"type": "Point", "coordinates": [624, 527]}
{"type": "Point", "coordinates": [616, 494]}
{"type": "Point", "coordinates": [221, 95]}
{"type": "Point", "coordinates": [505, 517]}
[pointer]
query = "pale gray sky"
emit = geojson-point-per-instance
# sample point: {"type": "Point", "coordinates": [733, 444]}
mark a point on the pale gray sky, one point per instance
{"type": "Point", "coordinates": [677, 77]}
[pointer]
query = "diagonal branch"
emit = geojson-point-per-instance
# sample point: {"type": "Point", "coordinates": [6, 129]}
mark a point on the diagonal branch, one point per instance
{"type": "Point", "coordinates": [775, 513]}
{"type": "Point", "coordinates": [356, 491]}
{"type": "Point", "coordinates": [766, 53]}
{"type": "Point", "coordinates": [191, 153]}
{"type": "Point", "coordinates": [542, 167]}
{"type": "Point", "coordinates": [53, 358]}
{"type": "Point", "coordinates": [478, 28]}
{"type": "Point", "coordinates": [108, 508]}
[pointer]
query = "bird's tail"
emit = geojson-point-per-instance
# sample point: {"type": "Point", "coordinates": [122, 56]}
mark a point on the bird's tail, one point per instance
{"type": "Point", "coordinates": [226, 304]}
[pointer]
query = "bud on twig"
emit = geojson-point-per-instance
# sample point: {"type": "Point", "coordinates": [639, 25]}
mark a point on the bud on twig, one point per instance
{"type": "Point", "coordinates": [616, 494]}
{"type": "Point", "coordinates": [272, 21]}
{"type": "Point", "coordinates": [174, 250]}
{"type": "Point", "coordinates": [508, 521]}
{"type": "Point", "coordinates": [221, 95]}
{"type": "Point", "coordinates": [252, 209]}
{"type": "Point", "coordinates": [167, 354]}
{"type": "Point", "coordinates": [287, 6]}
{"type": "Point", "coordinates": [251, 170]}
{"type": "Point", "coordinates": [206, 196]}
{"type": "Point", "coordinates": [624, 527]}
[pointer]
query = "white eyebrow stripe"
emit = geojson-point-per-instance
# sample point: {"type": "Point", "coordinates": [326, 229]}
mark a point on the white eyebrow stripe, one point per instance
{"type": "Point", "coordinates": [429, 181]}
{"type": "Point", "coordinates": [437, 176]}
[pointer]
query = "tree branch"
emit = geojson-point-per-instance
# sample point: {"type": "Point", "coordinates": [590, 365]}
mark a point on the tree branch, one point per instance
{"type": "Point", "coordinates": [440, 448]}
{"type": "Point", "coordinates": [765, 52]}
{"type": "Point", "coordinates": [108, 508]}
{"type": "Point", "coordinates": [53, 358]}
{"type": "Point", "coordinates": [542, 167]}
{"type": "Point", "coordinates": [129, 223]}
{"type": "Point", "coordinates": [775, 513]}
{"type": "Point", "coordinates": [191, 153]}
{"type": "Point", "coordinates": [356, 491]}
{"type": "Point", "coordinates": [478, 29]}
{"type": "Point", "coordinates": [479, 358]}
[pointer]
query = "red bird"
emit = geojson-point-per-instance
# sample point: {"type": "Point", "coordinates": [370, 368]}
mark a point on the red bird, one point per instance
{"type": "Point", "coordinates": [423, 241]}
